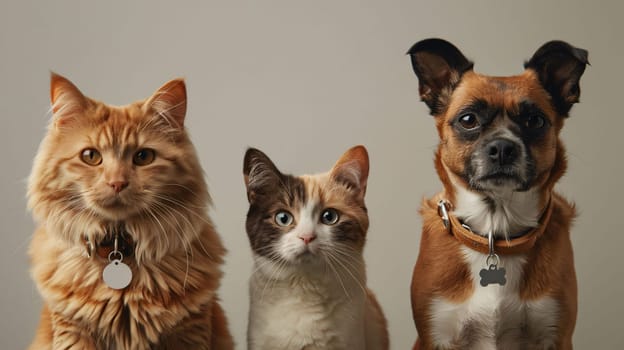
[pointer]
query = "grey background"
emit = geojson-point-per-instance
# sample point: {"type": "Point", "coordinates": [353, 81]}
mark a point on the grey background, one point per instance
{"type": "Point", "coordinates": [305, 80]}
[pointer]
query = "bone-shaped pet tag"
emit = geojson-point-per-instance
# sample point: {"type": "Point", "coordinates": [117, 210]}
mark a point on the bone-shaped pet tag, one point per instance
{"type": "Point", "coordinates": [493, 275]}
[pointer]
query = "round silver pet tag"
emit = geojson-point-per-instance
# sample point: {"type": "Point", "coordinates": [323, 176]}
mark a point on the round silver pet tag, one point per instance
{"type": "Point", "coordinates": [116, 274]}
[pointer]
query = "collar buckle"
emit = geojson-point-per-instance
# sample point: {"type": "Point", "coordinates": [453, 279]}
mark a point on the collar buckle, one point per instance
{"type": "Point", "coordinates": [488, 244]}
{"type": "Point", "coordinates": [443, 212]}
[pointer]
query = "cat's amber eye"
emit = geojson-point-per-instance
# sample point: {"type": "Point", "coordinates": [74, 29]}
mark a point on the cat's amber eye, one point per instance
{"type": "Point", "coordinates": [91, 156]}
{"type": "Point", "coordinates": [329, 216]}
{"type": "Point", "coordinates": [144, 156]}
{"type": "Point", "coordinates": [283, 218]}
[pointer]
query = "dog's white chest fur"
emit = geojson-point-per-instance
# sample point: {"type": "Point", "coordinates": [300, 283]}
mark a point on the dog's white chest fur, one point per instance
{"type": "Point", "coordinates": [296, 313]}
{"type": "Point", "coordinates": [494, 317]}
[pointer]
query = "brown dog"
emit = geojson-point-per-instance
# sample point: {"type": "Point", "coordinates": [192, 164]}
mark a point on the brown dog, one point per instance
{"type": "Point", "coordinates": [495, 268]}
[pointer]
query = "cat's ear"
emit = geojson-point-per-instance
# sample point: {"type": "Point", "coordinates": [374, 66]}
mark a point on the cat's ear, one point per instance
{"type": "Point", "coordinates": [261, 175]}
{"type": "Point", "coordinates": [352, 170]}
{"type": "Point", "coordinates": [68, 102]}
{"type": "Point", "coordinates": [169, 101]}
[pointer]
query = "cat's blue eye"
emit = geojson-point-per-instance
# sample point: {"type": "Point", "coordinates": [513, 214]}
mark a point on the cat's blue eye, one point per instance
{"type": "Point", "coordinates": [283, 218]}
{"type": "Point", "coordinates": [329, 216]}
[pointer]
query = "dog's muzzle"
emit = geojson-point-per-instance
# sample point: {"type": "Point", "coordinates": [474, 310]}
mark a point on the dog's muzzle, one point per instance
{"type": "Point", "coordinates": [500, 162]}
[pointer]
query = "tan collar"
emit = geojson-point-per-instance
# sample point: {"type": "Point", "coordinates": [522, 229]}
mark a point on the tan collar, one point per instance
{"type": "Point", "coordinates": [104, 248]}
{"type": "Point", "coordinates": [516, 245]}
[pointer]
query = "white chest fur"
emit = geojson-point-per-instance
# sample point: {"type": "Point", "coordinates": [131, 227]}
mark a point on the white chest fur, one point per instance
{"type": "Point", "coordinates": [494, 317]}
{"type": "Point", "coordinates": [294, 312]}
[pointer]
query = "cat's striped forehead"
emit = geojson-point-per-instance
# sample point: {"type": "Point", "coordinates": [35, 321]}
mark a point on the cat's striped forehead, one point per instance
{"type": "Point", "coordinates": [117, 129]}
{"type": "Point", "coordinates": [116, 126]}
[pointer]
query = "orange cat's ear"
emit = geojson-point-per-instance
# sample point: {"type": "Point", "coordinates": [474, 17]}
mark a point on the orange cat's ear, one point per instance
{"type": "Point", "coordinates": [260, 174]}
{"type": "Point", "coordinates": [352, 169]}
{"type": "Point", "coordinates": [67, 101]}
{"type": "Point", "coordinates": [169, 101]}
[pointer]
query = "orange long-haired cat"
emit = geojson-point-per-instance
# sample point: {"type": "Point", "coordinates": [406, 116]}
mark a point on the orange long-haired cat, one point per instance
{"type": "Point", "coordinates": [125, 255]}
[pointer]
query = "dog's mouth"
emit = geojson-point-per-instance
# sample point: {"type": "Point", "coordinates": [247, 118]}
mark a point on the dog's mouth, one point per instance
{"type": "Point", "coordinates": [501, 176]}
{"type": "Point", "coordinates": [504, 177]}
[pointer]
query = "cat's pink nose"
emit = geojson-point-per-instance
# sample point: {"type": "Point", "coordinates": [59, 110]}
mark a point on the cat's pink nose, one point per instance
{"type": "Point", "coordinates": [307, 238]}
{"type": "Point", "coordinates": [118, 186]}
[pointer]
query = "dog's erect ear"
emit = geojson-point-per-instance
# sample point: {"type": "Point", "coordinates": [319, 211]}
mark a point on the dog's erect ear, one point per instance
{"type": "Point", "coordinates": [559, 67]}
{"type": "Point", "coordinates": [439, 66]}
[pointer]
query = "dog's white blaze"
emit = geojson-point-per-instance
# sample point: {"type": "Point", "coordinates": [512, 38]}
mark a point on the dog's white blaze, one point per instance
{"type": "Point", "coordinates": [496, 311]}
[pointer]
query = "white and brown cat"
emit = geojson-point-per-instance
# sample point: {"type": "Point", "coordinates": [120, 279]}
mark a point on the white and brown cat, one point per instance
{"type": "Point", "coordinates": [308, 289]}
{"type": "Point", "coordinates": [130, 173]}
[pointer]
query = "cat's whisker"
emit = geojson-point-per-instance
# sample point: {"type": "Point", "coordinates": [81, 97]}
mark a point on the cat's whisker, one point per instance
{"type": "Point", "coordinates": [346, 250]}
{"type": "Point", "coordinates": [167, 211]}
{"type": "Point", "coordinates": [191, 227]}
{"type": "Point", "coordinates": [189, 191]}
{"type": "Point", "coordinates": [261, 265]}
{"type": "Point", "coordinates": [342, 263]}
{"type": "Point", "coordinates": [331, 266]}
{"type": "Point", "coordinates": [349, 255]}
{"type": "Point", "coordinates": [272, 278]}
{"type": "Point", "coordinates": [355, 263]}
{"type": "Point", "coordinates": [185, 244]}
{"type": "Point", "coordinates": [271, 258]}
{"type": "Point", "coordinates": [181, 205]}
{"type": "Point", "coordinates": [150, 212]}
{"type": "Point", "coordinates": [275, 272]}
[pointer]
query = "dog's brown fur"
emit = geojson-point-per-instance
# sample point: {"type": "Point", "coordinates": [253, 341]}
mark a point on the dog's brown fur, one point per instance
{"type": "Point", "coordinates": [441, 271]}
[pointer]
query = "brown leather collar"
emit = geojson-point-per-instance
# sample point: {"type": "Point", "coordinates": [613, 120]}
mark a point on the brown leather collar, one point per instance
{"type": "Point", "coordinates": [516, 245]}
{"type": "Point", "coordinates": [103, 248]}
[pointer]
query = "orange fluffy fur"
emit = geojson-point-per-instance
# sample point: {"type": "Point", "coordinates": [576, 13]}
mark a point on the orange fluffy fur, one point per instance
{"type": "Point", "coordinates": [171, 302]}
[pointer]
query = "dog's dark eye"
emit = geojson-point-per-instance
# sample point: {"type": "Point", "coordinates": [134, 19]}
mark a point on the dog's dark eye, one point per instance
{"type": "Point", "coordinates": [469, 121]}
{"type": "Point", "coordinates": [283, 218]}
{"type": "Point", "coordinates": [329, 216]}
{"type": "Point", "coordinates": [535, 121]}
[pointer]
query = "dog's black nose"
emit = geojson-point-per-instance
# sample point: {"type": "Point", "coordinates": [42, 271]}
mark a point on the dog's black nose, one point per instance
{"type": "Point", "coordinates": [502, 151]}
